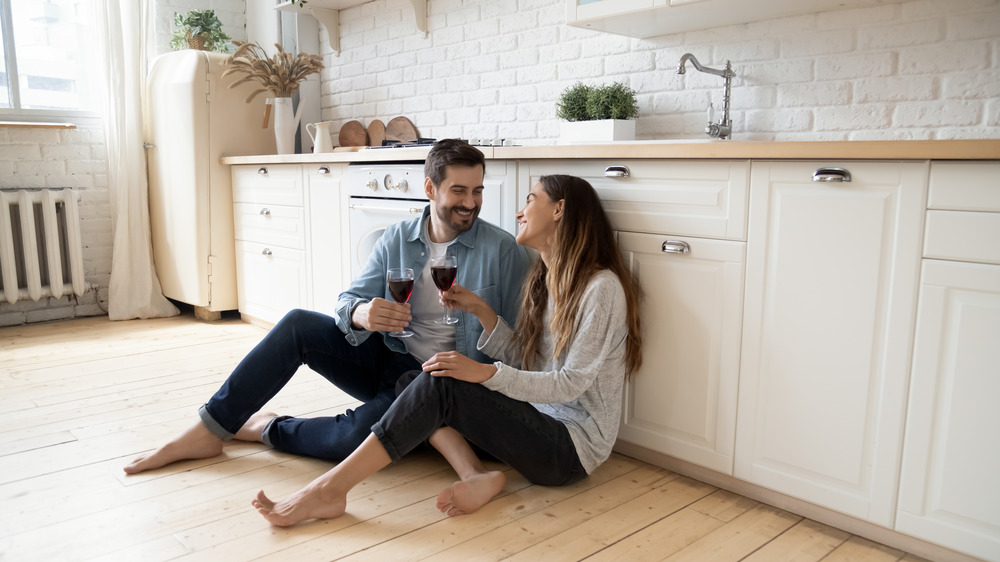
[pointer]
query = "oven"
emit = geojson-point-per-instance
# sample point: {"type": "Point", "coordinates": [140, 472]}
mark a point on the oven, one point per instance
{"type": "Point", "coordinates": [383, 193]}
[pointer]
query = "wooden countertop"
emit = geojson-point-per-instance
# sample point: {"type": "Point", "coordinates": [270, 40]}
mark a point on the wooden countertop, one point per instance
{"type": "Point", "coordinates": [973, 149]}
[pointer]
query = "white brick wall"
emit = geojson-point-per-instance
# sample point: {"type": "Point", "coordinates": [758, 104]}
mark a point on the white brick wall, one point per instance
{"type": "Point", "coordinates": [924, 69]}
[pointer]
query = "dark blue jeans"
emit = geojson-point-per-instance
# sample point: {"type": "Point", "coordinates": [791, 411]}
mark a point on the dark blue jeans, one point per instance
{"type": "Point", "coordinates": [514, 432]}
{"type": "Point", "coordinates": [367, 372]}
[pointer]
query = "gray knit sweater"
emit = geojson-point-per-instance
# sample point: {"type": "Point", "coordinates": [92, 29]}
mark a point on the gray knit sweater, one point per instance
{"type": "Point", "coordinates": [584, 392]}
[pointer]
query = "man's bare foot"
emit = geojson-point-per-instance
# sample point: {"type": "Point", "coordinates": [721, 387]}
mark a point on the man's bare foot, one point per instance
{"type": "Point", "coordinates": [468, 495]}
{"type": "Point", "coordinates": [195, 443]}
{"type": "Point", "coordinates": [252, 430]}
{"type": "Point", "coordinates": [310, 502]}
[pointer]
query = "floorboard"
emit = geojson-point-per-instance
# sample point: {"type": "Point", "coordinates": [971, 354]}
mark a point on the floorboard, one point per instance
{"type": "Point", "coordinates": [83, 397]}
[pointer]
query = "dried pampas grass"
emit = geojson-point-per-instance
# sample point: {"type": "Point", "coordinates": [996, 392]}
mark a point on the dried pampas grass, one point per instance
{"type": "Point", "coordinates": [279, 74]}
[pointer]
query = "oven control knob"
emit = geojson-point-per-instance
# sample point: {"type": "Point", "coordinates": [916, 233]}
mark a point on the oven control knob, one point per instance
{"type": "Point", "coordinates": [401, 186]}
{"type": "Point", "coordinates": [372, 184]}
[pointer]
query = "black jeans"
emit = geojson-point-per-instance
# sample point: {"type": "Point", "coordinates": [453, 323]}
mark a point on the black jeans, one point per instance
{"type": "Point", "coordinates": [514, 432]}
{"type": "Point", "coordinates": [367, 372]}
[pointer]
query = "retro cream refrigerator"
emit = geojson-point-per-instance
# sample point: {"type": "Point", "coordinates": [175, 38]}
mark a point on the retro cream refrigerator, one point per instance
{"type": "Point", "coordinates": [194, 119]}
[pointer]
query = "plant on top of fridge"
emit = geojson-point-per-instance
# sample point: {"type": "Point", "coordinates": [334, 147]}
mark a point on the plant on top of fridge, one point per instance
{"type": "Point", "coordinates": [280, 74]}
{"type": "Point", "coordinates": [199, 29]}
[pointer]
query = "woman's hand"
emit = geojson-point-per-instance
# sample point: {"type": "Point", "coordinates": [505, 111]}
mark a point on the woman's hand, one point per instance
{"type": "Point", "coordinates": [465, 300]}
{"type": "Point", "coordinates": [457, 366]}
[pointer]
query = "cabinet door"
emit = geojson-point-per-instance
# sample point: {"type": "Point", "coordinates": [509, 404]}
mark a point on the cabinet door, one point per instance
{"type": "Point", "coordinates": [828, 316]}
{"type": "Point", "coordinates": [500, 201]}
{"type": "Point", "coordinates": [587, 9]}
{"type": "Point", "coordinates": [272, 280]}
{"type": "Point", "coordinates": [949, 490]}
{"type": "Point", "coordinates": [682, 402]}
{"type": "Point", "coordinates": [329, 235]}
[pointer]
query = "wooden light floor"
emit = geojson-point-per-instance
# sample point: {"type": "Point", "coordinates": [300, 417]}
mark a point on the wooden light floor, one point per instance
{"type": "Point", "coordinates": [81, 398]}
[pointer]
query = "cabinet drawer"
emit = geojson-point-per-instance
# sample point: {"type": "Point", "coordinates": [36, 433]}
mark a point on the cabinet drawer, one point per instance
{"type": "Point", "coordinates": [965, 186]}
{"type": "Point", "coordinates": [274, 184]}
{"type": "Point", "coordinates": [694, 198]}
{"type": "Point", "coordinates": [963, 236]}
{"type": "Point", "coordinates": [273, 280]}
{"type": "Point", "coordinates": [270, 224]}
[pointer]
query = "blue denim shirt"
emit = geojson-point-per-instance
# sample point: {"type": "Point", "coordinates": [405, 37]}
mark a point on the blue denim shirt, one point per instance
{"type": "Point", "coordinates": [490, 264]}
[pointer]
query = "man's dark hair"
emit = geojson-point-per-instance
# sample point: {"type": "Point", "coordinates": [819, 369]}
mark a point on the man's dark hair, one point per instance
{"type": "Point", "coordinates": [449, 152]}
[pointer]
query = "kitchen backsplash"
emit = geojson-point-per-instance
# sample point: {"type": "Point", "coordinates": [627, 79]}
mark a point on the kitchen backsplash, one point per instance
{"type": "Point", "coordinates": [925, 69]}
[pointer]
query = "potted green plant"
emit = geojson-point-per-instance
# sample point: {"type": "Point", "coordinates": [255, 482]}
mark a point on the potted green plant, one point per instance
{"type": "Point", "coordinates": [199, 29]}
{"type": "Point", "coordinates": [597, 113]}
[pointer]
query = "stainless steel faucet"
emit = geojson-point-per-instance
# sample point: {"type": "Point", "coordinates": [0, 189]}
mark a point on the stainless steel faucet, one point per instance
{"type": "Point", "coordinates": [724, 128]}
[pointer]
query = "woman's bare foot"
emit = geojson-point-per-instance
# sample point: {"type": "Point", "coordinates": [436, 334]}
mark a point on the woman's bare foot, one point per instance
{"type": "Point", "coordinates": [326, 496]}
{"type": "Point", "coordinates": [470, 494]}
{"type": "Point", "coordinates": [311, 502]}
{"type": "Point", "coordinates": [197, 442]}
{"type": "Point", "coordinates": [254, 428]}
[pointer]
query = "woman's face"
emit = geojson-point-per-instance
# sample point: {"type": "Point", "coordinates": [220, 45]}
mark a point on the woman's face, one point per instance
{"type": "Point", "coordinates": [536, 221]}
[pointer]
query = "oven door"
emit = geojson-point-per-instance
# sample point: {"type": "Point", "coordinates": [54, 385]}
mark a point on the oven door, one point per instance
{"type": "Point", "coordinates": [369, 218]}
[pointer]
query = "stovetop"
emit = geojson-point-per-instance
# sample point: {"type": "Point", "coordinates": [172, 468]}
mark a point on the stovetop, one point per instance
{"type": "Point", "coordinates": [386, 143]}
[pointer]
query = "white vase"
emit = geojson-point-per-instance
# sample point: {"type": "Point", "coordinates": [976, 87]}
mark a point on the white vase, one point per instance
{"type": "Point", "coordinates": [285, 125]}
{"type": "Point", "coordinates": [602, 130]}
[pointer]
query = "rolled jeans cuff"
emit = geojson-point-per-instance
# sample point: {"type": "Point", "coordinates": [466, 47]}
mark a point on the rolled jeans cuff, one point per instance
{"type": "Point", "coordinates": [213, 425]}
{"type": "Point", "coordinates": [387, 443]}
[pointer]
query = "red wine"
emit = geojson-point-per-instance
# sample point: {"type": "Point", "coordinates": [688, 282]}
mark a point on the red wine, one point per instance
{"type": "Point", "coordinates": [400, 289]}
{"type": "Point", "coordinates": [444, 276]}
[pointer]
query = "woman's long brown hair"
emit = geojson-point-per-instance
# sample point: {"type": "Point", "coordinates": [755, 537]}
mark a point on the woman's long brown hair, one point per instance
{"type": "Point", "coordinates": [583, 245]}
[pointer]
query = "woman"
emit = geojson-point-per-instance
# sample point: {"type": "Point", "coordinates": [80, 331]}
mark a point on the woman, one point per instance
{"type": "Point", "coordinates": [550, 408]}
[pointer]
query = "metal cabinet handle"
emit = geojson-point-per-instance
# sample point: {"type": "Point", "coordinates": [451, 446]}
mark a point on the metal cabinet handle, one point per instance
{"type": "Point", "coordinates": [323, 170]}
{"type": "Point", "coordinates": [262, 171]}
{"type": "Point", "coordinates": [617, 172]}
{"type": "Point", "coordinates": [832, 175]}
{"type": "Point", "coordinates": [676, 247]}
{"type": "Point", "coordinates": [266, 252]}
{"type": "Point", "coordinates": [265, 212]}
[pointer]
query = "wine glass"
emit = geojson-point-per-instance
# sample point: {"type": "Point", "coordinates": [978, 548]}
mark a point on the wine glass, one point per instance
{"type": "Point", "coordinates": [400, 281]}
{"type": "Point", "coordinates": [444, 269]}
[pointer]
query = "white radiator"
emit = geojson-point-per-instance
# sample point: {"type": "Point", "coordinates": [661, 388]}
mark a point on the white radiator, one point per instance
{"type": "Point", "coordinates": [41, 251]}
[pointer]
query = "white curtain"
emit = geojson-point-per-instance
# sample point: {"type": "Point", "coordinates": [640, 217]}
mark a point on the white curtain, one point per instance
{"type": "Point", "coordinates": [135, 291]}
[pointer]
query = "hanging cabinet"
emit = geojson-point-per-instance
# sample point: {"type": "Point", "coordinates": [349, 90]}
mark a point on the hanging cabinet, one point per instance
{"type": "Point", "coordinates": [327, 12]}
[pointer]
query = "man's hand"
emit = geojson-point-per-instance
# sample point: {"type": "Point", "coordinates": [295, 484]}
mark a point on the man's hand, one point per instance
{"type": "Point", "coordinates": [457, 366]}
{"type": "Point", "coordinates": [380, 315]}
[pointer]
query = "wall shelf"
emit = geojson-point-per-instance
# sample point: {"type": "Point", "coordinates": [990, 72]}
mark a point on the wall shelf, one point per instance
{"type": "Point", "coordinates": [327, 12]}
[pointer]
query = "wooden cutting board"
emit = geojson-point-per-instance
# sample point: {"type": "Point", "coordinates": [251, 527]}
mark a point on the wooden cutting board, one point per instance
{"type": "Point", "coordinates": [376, 132]}
{"type": "Point", "coordinates": [401, 129]}
{"type": "Point", "coordinates": [353, 133]}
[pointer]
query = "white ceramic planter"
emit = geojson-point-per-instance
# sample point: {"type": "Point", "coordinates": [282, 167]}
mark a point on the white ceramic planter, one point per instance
{"type": "Point", "coordinates": [603, 130]}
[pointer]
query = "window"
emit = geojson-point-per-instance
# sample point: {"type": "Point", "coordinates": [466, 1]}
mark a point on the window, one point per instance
{"type": "Point", "coordinates": [47, 47]}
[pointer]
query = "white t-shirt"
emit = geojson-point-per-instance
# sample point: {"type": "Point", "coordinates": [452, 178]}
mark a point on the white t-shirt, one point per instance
{"type": "Point", "coordinates": [425, 307]}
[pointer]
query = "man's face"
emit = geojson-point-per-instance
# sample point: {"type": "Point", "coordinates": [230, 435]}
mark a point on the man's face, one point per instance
{"type": "Point", "coordinates": [456, 202]}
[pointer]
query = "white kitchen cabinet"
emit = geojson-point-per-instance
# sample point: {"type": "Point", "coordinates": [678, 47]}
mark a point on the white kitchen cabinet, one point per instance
{"type": "Point", "coordinates": [949, 492]}
{"type": "Point", "coordinates": [500, 202]}
{"type": "Point", "coordinates": [682, 402]}
{"type": "Point", "coordinates": [272, 273]}
{"type": "Point", "coordinates": [649, 18]}
{"type": "Point", "coordinates": [327, 12]}
{"type": "Point", "coordinates": [328, 234]}
{"type": "Point", "coordinates": [704, 198]}
{"type": "Point", "coordinates": [828, 318]}
{"type": "Point", "coordinates": [291, 228]}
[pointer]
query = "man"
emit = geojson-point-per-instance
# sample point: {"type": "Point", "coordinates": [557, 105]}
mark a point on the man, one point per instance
{"type": "Point", "coordinates": [342, 349]}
